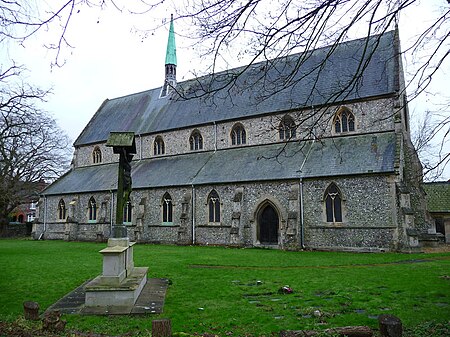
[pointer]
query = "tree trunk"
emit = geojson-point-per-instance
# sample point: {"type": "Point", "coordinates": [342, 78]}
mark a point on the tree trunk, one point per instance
{"type": "Point", "coordinates": [161, 328]}
{"type": "Point", "coordinates": [3, 223]}
{"type": "Point", "coordinates": [31, 310]}
{"type": "Point", "coordinates": [390, 326]}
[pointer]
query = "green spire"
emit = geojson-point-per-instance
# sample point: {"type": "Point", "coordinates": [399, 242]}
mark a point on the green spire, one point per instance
{"type": "Point", "coordinates": [171, 53]}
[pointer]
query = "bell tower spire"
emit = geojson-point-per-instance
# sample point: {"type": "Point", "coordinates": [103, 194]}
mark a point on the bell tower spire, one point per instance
{"type": "Point", "coordinates": [170, 80]}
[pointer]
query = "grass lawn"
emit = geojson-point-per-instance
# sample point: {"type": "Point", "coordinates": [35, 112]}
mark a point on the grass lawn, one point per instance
{"type": "Point", "coordinates": [229, 291]}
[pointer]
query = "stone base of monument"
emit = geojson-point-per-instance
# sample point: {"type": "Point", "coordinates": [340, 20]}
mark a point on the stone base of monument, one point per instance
{"type": "Point", "coordinates": [121, 282]}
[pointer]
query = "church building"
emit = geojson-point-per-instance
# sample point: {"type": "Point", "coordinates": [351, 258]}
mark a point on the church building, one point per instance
{"type": "Point", "coordinates": [308, 151]}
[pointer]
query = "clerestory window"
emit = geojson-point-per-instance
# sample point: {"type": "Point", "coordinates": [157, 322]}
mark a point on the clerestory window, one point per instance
{"type": "Point", "coordinates": [158, 146]}
{"type": "Point", "coordinates": [196, 141]}
{"type": "Point", "coordinates": [238, 135]}
{"type": "Point", "coordinates": [96, 155]}
{"type": "Point", "coordinates": [344, 121]}
{"type": "Point", "coordinates": [287, 128]}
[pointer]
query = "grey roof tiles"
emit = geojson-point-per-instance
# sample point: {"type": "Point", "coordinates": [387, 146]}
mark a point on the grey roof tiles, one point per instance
{"type": "Point", "coordinates": [338, 156]}
{"type": "Point", "coordinates": [319, 78]}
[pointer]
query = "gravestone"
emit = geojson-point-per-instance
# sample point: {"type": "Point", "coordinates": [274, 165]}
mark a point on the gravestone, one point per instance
{"type": "Point", "coordinates": [390, 326]}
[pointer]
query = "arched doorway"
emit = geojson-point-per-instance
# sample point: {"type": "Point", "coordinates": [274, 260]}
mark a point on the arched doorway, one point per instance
{"type": "Point", "coordinates": [268, 222]}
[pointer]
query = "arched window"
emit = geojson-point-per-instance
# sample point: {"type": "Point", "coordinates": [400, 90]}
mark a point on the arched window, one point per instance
{"type": "Point", "coordinates": [196, 141]}
{"type": "Point", "coordinates": [333, 204]}
{"type": "Point", "coordinates": [167, 209]}
{"type": "Point", "coordinates": [238, 135]}
{"type": "Point", "coordinates": [61, 210]}
{"type": "Point", "coordinates": [97, 155]}
{"type": "Point", "coordinates": [92, 209]}
{"type": "Point", "coordinates": [127, 212]}
{"type": "Point", "coordinates": [287, 128]}
{"type": "Point", "coordinates": [214, 206]}
{"type": "Point", "coordinates": [344, 121]}
{"type": "Point", "coordinates": [158, 146]}
{"type": "Point", "coordinates": [20, 219]}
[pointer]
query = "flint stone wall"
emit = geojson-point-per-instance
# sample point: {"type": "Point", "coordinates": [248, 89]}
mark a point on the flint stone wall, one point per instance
{"type": "Point", "coordinates": [368, 211]}
{"type": "Point", "coordinates": [370, 116]}
{"type": "Point", "coordinates": [369, 222]}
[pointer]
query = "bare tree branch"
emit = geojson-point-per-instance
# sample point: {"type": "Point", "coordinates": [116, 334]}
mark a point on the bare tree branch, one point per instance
{"type": "Point", "coordinates": [32, 147]}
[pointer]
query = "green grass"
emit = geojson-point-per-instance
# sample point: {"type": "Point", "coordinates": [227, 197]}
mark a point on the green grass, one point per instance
{"type": "Point", "coordinates": [216, 289]}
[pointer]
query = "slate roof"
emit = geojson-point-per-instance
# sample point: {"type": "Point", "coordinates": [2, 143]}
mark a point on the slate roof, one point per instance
{"type": "Point", "coordinates": [438, 197]}
{"type": "Point", "coordinates": [262, 88]}
{"type": "Point", "coordinates": [282, 161]}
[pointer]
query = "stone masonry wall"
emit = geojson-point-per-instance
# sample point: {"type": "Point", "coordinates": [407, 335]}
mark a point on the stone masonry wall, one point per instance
{"type": "Point", "coordinates": [369, 221]}
{"type": "Point", "coordinates": [368, 212]}
{"type": "Point", "coordinates": [371, 116]}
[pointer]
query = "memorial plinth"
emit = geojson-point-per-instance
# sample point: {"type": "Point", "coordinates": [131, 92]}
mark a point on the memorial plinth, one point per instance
{"type": "Point", "coordinates": [121, 282]}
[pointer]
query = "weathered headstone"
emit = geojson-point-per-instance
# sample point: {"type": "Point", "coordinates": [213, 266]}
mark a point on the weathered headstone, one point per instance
{"type": "Point", "coordinates": [161, 328]}
{"type": "Point", "coordinates": [390, 326]}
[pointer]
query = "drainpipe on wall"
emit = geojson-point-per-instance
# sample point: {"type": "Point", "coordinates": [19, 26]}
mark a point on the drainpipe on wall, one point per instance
{"type": "Point", "coordinates": [45, 218]}
{"type": "Point", "coordinates": [193, 214]}
{"type": "Point", "coordinates": [140, 146]}
{"type": "Point", "coordinates": [215, 136]}
{"type": "Point", "coordinates": [302, 221]}
{"type": "Point", "coordinates": [302, 226]}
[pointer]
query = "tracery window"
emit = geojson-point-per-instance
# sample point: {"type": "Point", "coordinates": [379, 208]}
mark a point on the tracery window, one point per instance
{"type": "Point", "coordinates": [344, 121]}
{"type": "Point", "coordinates": [92, 207]}
{"type": "Point", "coordinates": [214, 206]}
{"type": "Point", "coordinates": [333, 204]}
{"type": "Point", "coordinates": [61, 210]}
{"type": "Point", "coordinates": [158, 146]}
{"type": "Point", "coordinates": [167, 209]}
{"type": "Point", "coordinates": [96, 155]}
{"type": "Point", "coordinates": [238, 135]}
{"type": "Point", "coordinates": [127, 212]}
{"type": "Point", "coordinates": [287, 128]}
{"type": "Point", "coordinates": [196, 140]}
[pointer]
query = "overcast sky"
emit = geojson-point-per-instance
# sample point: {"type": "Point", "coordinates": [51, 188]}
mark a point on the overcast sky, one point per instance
{"type": "Point", "coordinates": [110, 59]}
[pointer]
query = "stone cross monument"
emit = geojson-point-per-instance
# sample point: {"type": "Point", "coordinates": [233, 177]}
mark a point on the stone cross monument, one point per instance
{"type": "Point", "coordinates": [123, 144]}
{"type": "Point", "coordinates": [117, 289]}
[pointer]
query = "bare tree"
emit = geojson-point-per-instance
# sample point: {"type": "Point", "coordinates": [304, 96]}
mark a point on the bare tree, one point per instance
{"type": "Point", "coordinates": [32, 147]}
{"type": "Point", "coordinates": [433, 152]}
{"type": "Point", "coordinates": [260, 30]}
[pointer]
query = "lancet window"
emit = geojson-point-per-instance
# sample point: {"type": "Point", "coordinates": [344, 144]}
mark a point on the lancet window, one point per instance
{"type": "Point", "coordinates": [196, 141]}
{"type": "Point", "coordinates": [238, 135]}
{"type": "Point", "coordinates": [333, 204]}
{"type": "Point", "coordinates": [167, 209]}
{"type": "Point", "coordinates": [61, 210]}
{"type": "Point", "coordinates": [96, 155]}
{"type": "Point", "coordinates": [127, 212]}
{"type": "Point", "coordinates": [214, 206]}
{"type": "Point", "coordinates": [344, 121]}
{"type": "Point", "coordinates": [92, 207]}
{"type": "Point", "coordinates": [158, 146]}
{"type": "Point", "coordinates": [287, 128]}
